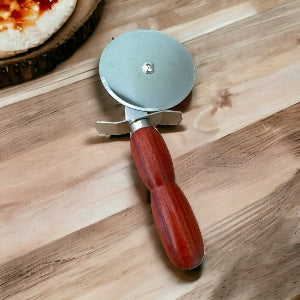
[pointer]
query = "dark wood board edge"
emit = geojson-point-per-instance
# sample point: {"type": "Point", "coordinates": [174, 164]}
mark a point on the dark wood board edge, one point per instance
{"type": "Point", "coordinates": [46, 57]}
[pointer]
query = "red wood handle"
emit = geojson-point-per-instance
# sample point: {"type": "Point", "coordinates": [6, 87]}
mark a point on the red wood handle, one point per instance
{"type": "Point", "coordinates": [174, 219]}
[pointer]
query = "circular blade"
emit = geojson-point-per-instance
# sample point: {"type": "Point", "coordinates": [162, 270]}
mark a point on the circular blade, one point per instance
{"type": "Point", "coordinates": [146, 70]}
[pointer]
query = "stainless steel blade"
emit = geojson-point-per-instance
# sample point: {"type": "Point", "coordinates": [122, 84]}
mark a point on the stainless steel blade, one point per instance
{"type": "Point", "coordinates": [133, 114]}
{"type": "Point", "coordinates": [146, 70]}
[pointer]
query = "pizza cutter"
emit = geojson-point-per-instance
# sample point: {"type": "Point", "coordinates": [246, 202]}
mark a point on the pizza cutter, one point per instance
{"type": "Point", "coordinates": [148, 72]}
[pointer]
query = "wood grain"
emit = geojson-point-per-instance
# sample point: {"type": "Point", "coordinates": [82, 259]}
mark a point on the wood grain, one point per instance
{"type": "Point", "coordinates": [74, 216]}
{"type": "Point", "coordinates": [174, 219]}
{"type": "Point", "coordinates": [41, 60]}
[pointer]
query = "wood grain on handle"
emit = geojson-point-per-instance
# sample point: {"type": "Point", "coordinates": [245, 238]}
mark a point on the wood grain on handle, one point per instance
{"type": "Point", "coordinates": [174, 219]}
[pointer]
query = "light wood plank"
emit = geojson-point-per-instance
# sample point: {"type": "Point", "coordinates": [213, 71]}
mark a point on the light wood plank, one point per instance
{"type": "Point", "coordinates": [252, 240]}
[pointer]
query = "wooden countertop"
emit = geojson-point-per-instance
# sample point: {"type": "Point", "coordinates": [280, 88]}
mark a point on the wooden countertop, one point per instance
{"type": "Point", "coordinates": [74, 216]}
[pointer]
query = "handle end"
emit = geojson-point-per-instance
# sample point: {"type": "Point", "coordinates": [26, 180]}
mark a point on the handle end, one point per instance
{"type": "Point", "coordinates": [177, 226]}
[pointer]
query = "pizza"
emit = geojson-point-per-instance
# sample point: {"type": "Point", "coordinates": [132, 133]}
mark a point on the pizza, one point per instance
{"type": "Point", "coordinates": [25, 24]}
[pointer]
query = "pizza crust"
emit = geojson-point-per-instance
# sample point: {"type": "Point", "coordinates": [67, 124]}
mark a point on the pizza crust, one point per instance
{"type": "Point", "coordinates": [13, 41]}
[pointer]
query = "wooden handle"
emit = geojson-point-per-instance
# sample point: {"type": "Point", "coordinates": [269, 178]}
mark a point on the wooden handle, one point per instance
{"type": "Point", "coordinates": [174, 219]}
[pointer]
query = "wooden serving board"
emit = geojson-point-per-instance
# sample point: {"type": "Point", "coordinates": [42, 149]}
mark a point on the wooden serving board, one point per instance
{"type": "Point", "coordinates": [60, 46]}
{"type": "Point", "coordinates": [75, 221]}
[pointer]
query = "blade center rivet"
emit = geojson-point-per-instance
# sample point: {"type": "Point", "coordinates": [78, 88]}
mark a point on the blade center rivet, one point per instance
{"type": "Point", "coordinates": [148, 67]}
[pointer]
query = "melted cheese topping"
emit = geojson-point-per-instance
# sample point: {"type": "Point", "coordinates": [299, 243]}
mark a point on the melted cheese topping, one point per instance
{"type": "Point", "coordinates": [27, 24]}
{"type": "Point", "coordinates": [18, 14]}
